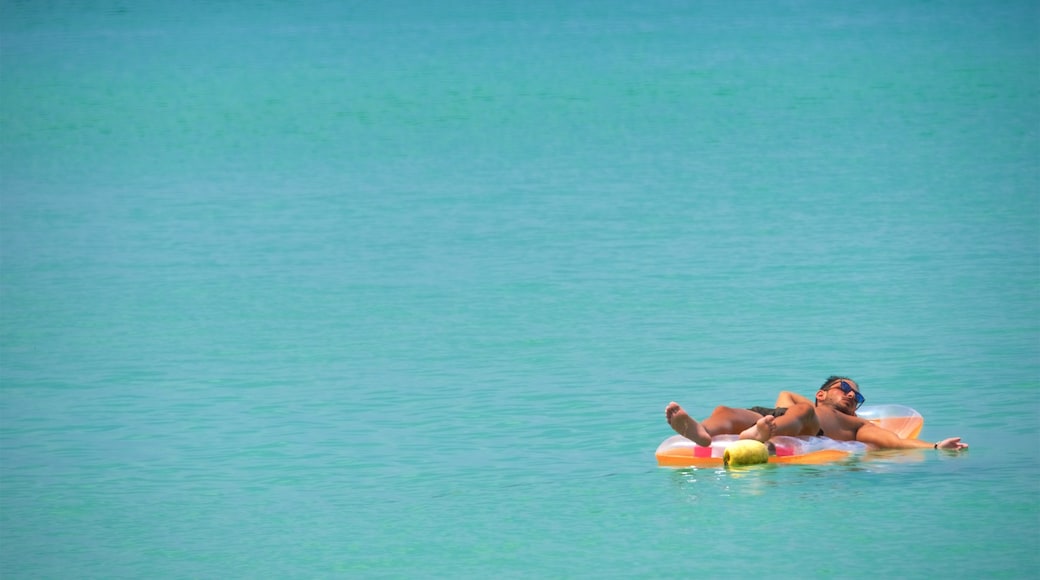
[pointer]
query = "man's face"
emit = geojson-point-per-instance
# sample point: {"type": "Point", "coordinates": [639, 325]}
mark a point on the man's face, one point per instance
{"type": "Point", "coordinates": [835, 396]}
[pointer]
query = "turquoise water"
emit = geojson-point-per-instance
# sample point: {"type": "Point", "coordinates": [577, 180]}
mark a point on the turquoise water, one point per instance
{"type": "Point", "coordinates": [343, 289]}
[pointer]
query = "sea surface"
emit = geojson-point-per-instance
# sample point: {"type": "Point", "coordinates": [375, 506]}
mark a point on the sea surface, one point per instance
{"type": "Point", "coordinates": [397, 289]}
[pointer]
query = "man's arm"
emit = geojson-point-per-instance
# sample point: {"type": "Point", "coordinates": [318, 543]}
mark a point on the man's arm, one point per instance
{"type": "Point", "coordinates": [788, 399]}
{"type": "Point", "coordinates": [881, 438]}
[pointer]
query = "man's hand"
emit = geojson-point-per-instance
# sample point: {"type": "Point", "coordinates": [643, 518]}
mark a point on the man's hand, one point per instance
{"type": "Point", "coordinates": [953, 444]}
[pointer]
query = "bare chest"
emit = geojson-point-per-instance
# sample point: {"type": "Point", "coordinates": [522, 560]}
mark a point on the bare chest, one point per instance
{"type": "Point", "coordinates": [837, 425]}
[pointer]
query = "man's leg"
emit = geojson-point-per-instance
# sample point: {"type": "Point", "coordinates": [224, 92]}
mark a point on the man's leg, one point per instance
{"type": "Point", "coordinates": [731, 420]}
{"type": "Point", "coordinates": [723, 421]}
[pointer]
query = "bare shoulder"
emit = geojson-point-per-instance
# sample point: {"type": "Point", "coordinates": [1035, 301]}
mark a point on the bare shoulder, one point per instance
{"type": "Point", "coordinates": [855, 422]}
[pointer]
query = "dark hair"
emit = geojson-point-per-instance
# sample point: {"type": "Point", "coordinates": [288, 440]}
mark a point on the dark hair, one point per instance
{"type": "Point", "coordinates": [833, 379]}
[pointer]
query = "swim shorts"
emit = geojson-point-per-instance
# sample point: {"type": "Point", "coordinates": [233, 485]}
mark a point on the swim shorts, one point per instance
{"type": "Point", "coordinates": [777, 412]}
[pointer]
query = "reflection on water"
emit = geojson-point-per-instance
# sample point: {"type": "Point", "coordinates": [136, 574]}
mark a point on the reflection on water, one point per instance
{"type": "Point", "coordinates": [889, 497]}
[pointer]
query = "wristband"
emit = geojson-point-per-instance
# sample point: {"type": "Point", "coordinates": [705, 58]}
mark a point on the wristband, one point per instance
{"type": "Point", "coordinates": [936, 446]}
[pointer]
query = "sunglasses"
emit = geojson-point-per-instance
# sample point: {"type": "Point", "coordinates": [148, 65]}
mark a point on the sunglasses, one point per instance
{"type": "Point", "coordinates": [846, 388]}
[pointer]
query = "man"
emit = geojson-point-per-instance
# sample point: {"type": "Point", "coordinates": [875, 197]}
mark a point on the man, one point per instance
{"type": "Point", "coordinates": [833, 414]}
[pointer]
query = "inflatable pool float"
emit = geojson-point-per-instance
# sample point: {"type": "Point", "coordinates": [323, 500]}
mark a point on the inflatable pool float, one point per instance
{"type": "Point", "coordinates": [678, 451]}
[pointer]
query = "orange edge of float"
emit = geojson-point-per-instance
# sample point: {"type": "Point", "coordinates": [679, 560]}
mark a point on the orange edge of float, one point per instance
{"type": "Point", "coordinates": [822, 456]}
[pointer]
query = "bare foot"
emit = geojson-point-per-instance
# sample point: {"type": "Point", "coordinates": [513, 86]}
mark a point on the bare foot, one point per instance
{"type": "Point", "coordinates": [685, 425]}
{"type": "Point", "coordinates": [762, 430]}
